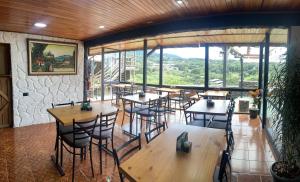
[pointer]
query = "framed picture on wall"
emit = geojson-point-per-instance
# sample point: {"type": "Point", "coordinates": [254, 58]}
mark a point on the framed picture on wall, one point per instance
{"type": "Point", "coordinates": [51, 58]}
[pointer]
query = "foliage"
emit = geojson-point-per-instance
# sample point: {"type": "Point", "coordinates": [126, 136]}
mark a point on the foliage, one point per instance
{"type": "Point", "coordinates": [285, 95]}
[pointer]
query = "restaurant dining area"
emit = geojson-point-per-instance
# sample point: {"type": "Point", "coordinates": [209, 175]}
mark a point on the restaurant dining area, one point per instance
{"type": "Point", "coordinates": [174, 90]}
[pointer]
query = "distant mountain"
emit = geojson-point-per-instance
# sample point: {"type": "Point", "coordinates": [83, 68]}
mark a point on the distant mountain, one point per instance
{"type": "Point", "coordinates": [62, 57]}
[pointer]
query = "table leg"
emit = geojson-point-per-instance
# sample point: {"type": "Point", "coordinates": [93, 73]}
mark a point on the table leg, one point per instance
{"type": "Point", "coordinates": [204, 117]}
{"type": "Point", "coordinates": [130, 122]}
{"type": "Point", "coordinates": [55, 157]}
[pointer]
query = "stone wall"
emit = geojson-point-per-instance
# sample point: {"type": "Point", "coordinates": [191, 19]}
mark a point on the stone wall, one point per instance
{"type": "Point", "coordinates": [43, 90]}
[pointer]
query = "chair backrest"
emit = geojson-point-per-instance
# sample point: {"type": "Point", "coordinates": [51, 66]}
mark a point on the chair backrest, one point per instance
{"type": "Point", "coordinates": [225, 164]}
{"type": "Point", "coordinates": [83, 101]}
{"type": "Point", "coordinates": [187, 115]}
{"type": "Point", "coordinates": [63, 104]}
{"type": "Point", "coordinates": [130, 146]}
{"type": "Point", "coordinates": [230, 142]}
{"type": "Point", "coordinates": [107, 122]}
{"type": "Point", "coordinates": [153, 133]}
{"type": "Point", "coordinates": [83, 129]}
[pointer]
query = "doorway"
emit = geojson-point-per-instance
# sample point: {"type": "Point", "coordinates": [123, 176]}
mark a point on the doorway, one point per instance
{"type": "Point", "coordinates": [6, 116]}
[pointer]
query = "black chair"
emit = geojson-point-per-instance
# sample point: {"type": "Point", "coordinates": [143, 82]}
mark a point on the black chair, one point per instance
{"type": "Point", "coordinates": [161, 109]}
{"type": "Point", "coordinates": [147, 114]}
{"type": "Point", "coordinates": [153, 133]}
{"type": "Point", "coordinates": [129, 108]}
{"type": "Point", "coordinates": [126, 149]}
{"type": "Point", "coordinates": [225, 118]}
{"type": "Point", "coordinates": [182, 99]}
{"type": "Point", "coordinates": [104, 130]}
{"type": "Point", "coordinates": [59, 127]}
{"type": "Point", "coordinates": [83, 101]}
{"type": "Point", "coordinates": [189, 117]}
{"type": "Point", "coordinates": [223, 124]}
{"type": "Point", "coordinates": [223, 173]}
{"type": "Point", "coordinates": [79, 138]}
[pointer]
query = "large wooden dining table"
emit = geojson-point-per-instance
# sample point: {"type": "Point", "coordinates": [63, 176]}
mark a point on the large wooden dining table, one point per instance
{"type": "Point", "coordinates": [65, 116]}
{"type": "Point", "coordinates": [159, 161]}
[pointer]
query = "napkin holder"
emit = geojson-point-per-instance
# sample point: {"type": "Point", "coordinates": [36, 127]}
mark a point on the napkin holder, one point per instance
{"type": "Point", "coordinates": [141, 94]}
{"type": "Point", "coordinates": [210, 103]}
{"type": "Point", "coordinates": [182, 144]}
{"type": "Point", "coordinates": [85, 106]}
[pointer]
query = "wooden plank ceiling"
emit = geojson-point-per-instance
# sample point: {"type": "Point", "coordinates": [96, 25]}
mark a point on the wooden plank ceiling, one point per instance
{"type": "Point", "coordinates": [225, 36]}
{"type": "Point", "coordinates": [80, 19]}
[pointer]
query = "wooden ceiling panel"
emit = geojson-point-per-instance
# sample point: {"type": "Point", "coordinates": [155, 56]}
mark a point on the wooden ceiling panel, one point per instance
{"type": "Point", "coordinates": [80, 19]}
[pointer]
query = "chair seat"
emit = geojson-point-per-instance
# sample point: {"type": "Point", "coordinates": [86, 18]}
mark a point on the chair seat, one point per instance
{"type": "Point", "coordinates": [220, 118]}
{"type": "Point", "coordinates": [146, 113]}
{"type": "Point", "coordinates": [104, 134]}
{"type": "Point", "coordinates": [134, 109]}
{"type": "Point", "coordinates": [65, 129]}
{"type": "Point", "coordinates": [197, 123]}
{"type": "Point", "coordinates": [216, 174]}
{"type": "Point", "coordinates": [68, 138]}
{"type": "Point", "coordinates": [159, 109]}
{"type": "Point", "coordinates": [201, 117]}
{"type": "Point", "coordinates": [218, 125]}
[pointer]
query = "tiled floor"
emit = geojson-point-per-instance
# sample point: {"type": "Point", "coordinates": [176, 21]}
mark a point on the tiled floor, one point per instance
{"type": "Point", "coordinates": [25, 153]}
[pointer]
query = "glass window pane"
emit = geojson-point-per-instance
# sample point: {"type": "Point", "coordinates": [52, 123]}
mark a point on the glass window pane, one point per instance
{"type": "Point", "coordinates": [153, 67]}
{"type": "Point", "coordinates": [242, 67]}
{"type": "Point", "coordinates": [94, 83]}
{"type": "Point", "coordinates": [134, 66]}
{"type": "Point", "coordinates": [184, 66]}
{"type": "Point", "coordinates": [215, 66]}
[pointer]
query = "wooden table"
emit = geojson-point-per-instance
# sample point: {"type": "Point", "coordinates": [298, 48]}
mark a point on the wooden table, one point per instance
{"type": "Point", "coordinates": [168, 90]}
{"type": "Point", "coordinates": [214, 93]}
{"type": "Point", "coordinates": [65, 116]}
{"type": "Point", "coordinates": [200, 107]}
{"type": "Point", "coordinates": [159, 161]}
{"type": "Point", "coordinates": [135, 98]}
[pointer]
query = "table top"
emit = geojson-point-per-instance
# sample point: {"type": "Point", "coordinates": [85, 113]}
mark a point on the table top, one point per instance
{"type": "Point", "coordinates": [148, 96]}
{"type": "Point", "coordinates": [159, 161]}
{"type": "Point", "coordinates": [66, 114]}
{"type": "Point", "coordinates": [170, 90]}
{"type": "Point", "coordinates": [220, 107]}
{"type": "Point", "coordinates": [214, 93]}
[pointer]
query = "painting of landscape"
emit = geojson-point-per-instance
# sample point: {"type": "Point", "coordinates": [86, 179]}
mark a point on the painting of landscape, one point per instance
{"type": "Point", "coordinates": [51, 58]}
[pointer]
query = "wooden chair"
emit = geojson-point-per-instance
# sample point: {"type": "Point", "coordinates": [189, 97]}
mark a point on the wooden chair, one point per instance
{"type": "Point", "coordinates": [148, 115]}
{"type": "Point", "coordinates": [104, 130]}
{"type": "Point", "coordinates": [126, 149]}
{"type": "Point", "coordinates": [79, 138]}
{"type": "Point", "coordinates": [153, 133]}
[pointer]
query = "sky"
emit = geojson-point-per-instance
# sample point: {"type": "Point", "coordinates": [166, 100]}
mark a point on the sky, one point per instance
{"type": "Point", "coordinates": [59, 50]}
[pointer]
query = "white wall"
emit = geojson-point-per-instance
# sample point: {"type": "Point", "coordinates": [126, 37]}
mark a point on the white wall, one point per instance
{"type": "Point", "coordinates": [43, 90]}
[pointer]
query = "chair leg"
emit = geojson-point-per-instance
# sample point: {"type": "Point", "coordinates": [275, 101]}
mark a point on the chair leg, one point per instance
{"type": "Point", "coordinates": [61, 153]}
{"type": "Point", "coordinates": [100, 155]}
{"type": "Point", "coordinates": [123, 118]}
{"type": "Point", "coordinates": [73, 169]}
{"type": "Point", "coordinates": [166, 120]}
{"type": "Point", "coordinates": [81, 154]}
{"type": "Point", "coordinates": [91, 159]}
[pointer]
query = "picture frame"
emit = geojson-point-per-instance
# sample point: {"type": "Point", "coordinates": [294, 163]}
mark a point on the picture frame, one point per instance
{"type": "Point", "coordinates": [51, 57]}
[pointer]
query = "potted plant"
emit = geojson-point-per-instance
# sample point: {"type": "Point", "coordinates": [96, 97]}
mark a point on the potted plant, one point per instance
{"type": "Point", "coordinates": [284, 96]}
{"type": "Point", "coordinates": [256, 95]}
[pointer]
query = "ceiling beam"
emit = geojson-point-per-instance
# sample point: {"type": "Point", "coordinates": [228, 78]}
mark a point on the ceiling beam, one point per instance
{"type": "Point", "coordinates": [235, 20]}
